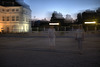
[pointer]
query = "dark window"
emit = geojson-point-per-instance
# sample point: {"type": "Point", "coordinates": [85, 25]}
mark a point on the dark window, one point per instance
{"type": "Point", "coordinates": [3, 10]}
{"type": "Point", "coordinates": [7, 18]}
{"type": "Point", "coordinates": [3, 18]}
{"type": "Point", "coordinates": [7, 10]}
{"type": "Point", "coordinates": [13, 10]}
{"type": "Point", "coordinates": [17, 18]}
{"type": "Point", "coordinates": [17, 9]}
{"type": "Point", "coordinates": [13, 18]}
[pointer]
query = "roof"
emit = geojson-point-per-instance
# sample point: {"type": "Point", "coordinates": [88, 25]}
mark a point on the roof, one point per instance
{"type": "Point", "coordinates": [10, 3]}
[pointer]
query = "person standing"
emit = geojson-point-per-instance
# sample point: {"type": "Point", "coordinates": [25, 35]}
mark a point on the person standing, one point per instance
{"type": "Point", "coordinates": [80, 37]}
{"type": "Point", "coordinates": [51, 36]}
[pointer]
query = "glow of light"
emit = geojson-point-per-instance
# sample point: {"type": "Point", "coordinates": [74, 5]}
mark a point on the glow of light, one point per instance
{"type": "Point", "coordinates": [90, 22]}
{"type": "Point", "coordinates": [1, 27]}
{"type": "Point", "coordinates": [24, 28]}
{"type": "Point", "coordinates": [53, 23]}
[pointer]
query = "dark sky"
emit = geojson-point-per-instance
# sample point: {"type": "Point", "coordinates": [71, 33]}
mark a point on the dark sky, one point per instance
{"type": "Point", "coordinates": [43, 8]}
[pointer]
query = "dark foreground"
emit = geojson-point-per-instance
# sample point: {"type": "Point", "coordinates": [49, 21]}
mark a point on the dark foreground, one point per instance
{"type": "Point", "coordinates": [35, 52]}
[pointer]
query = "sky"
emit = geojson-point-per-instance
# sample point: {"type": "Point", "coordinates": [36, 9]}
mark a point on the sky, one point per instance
{"type": "Point", "coordinates": [44, 8]}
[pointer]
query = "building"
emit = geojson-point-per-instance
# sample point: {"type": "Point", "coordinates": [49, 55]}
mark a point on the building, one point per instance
{"type": "Point", "coordinates": [15, 16]}
{"type": "Point", "coordinates": [90, 19]}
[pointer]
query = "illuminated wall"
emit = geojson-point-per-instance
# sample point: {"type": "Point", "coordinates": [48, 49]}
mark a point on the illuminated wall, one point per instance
{"type": "Point", "coordinates": [14, 19]}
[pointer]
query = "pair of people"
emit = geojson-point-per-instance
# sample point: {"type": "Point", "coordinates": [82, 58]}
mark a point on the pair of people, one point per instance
{"type": "Point", "coordinates": [79, 37]}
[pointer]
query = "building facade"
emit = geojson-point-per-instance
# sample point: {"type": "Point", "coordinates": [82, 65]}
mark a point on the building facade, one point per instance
{"type": "Point", "coordinates": [14, 16]}
{"type": "Point", "coordinates": [89, 16]}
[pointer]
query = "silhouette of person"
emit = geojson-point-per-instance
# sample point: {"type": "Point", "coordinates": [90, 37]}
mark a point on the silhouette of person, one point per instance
{"type": "Point", "coordinates": [80, 37]}
{"type": "Point", "coordinates": [51, 36]}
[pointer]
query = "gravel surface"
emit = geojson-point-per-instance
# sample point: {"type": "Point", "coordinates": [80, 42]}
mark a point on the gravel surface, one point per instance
{"type": "Point", "coordinates": [36, 52]}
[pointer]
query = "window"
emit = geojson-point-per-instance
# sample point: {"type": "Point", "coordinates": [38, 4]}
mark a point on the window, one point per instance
{"type": "Point", "coordinates": [7, 18]}
{"type": "Point", "coordinates": [7, 10]}
{"type": "Point", "coordinates": [3, 10]}
{"type": "Point", "coordinates": [27, 19]}
{"type": "Point", "coordinates": [17, 18]}
{"type": "Point", "coordinates": [23, 19]}
{"type": "Point", "coordinates": [13, 18]}
{"type": "Point", "coordinates": [13, 10]}
{"type": "Point", "coordinates": [3, 18]}
{"type": "Point", "coordinates": [17, 10]}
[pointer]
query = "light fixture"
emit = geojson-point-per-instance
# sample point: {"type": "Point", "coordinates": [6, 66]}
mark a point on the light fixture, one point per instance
{"type": "Point", "coordinates": [90, 22]}
{"type": "Point", "coordinates": [53, 23]}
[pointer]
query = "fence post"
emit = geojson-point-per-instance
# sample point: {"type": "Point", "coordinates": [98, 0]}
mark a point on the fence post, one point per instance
{"type": "Point", "coordinates": [58, 28]}
{"type": "Point", "coordinates": [44, 28]}
{"type": "Point", "coordinates": [87, 28]}
{"type": "Point", "coordinates": [65, 28]}
{"type": "Point", "coordinates": [72, 28]}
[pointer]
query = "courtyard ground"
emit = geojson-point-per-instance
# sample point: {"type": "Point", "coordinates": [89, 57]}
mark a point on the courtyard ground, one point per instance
{"type": "Point", "coordinates": [32, 50]}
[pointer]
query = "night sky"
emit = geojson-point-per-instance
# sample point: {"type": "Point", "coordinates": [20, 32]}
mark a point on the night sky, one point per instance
{"type": "Point", "coordinates": [43, 8]}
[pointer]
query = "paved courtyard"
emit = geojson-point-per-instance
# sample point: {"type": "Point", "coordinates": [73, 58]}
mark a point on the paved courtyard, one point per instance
{"type": "Point", "coordinates": [33, 51]}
